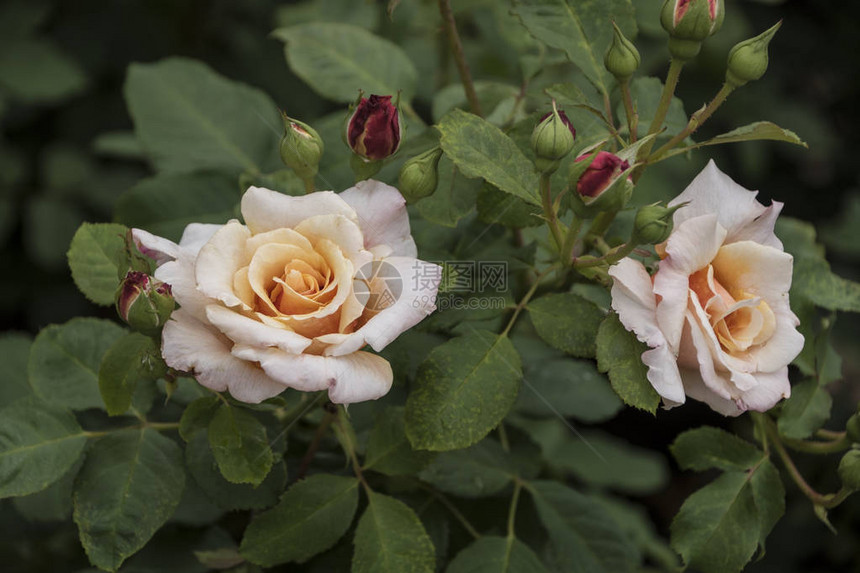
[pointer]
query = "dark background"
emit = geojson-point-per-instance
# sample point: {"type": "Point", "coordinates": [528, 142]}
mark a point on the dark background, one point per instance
{"type": "Point", "coordinates": [54, 176]}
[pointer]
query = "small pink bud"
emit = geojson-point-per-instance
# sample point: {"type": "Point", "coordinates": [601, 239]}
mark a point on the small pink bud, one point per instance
{"type": "Point", "coordinates": [602, 172]}
{"type": "Point", "coordinates": [373, 131]}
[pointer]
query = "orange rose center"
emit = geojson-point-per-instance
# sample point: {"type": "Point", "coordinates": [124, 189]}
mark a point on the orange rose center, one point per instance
{"type": "Point", "coordinates": [739, 319]}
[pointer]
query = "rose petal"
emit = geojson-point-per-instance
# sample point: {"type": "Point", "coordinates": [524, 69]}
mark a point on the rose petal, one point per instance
{"type": "Point", "coordinates": [157, 248]}
{"type": "Point", "coordinates": [760, 270]}
{"type": "Point", "coordinates": [664, 376]}
{"type": "Point", "coordinates": [353, 378]}
{"type": "Point", "coordinates": [339, 230]}
{"type": "Point", "coordinates": [179, 274]}
{"type": "Point", "coordinates": [243, 330]}
{"type": "Point", "coordinates": [416, 301]}
{"type": "Point", "coordinates": [785, 344]}
{"type": "Point", "coordinates": [692, 245]}
{"type": "Point", "coordinates": [771, 388]}
{"type": "Point", "coordinates": [634, 301]}
{"type": "Point", "coordinates": [191, 346]}
{"type": "Point", "coordinates": [743, 217]}
{"type": "Point", "coordinates": [696, 389]}
{"type": "Point", "coordinates": [219, 259]}
{"type": "Point", "coordinates": [196, 235]}
{"type": "Point", "coordinates": [383, 217]}
{"type": "Point", "coordinates": [266, 210]}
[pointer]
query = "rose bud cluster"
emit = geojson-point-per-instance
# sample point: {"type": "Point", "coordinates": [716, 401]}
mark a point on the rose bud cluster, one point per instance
{"type": "Point", "coordinates": [143, 302]}
{"type": "Point", "coordinates": [301, 148]}
{"type": "Point", "coordinates": [748, 60]}
{"type": "Point", "coordinates": [689, 23]}
{"type": "Point", "coordinates": [552, 140]}
{"type": "Point", "coordinates": [601, 183]}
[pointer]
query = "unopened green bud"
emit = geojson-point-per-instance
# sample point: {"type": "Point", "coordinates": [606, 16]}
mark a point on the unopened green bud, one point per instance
{"type": "Point", "coordinates": [552, 139]}
{"type": "Point", "coordinates": [852, 428]}
{"type": "Point", "coordinates": [622, 59]}
{"type": "Point", "coordinates": [689, 23]}
{"type": "Point", "coordinates": [301, 148]}
{"type": "Point", "coordinates": [748, 60]}
{"type": "Point", "coordinates": [653, 224]}
{"type": "Point", "coordinates": [849, 469]}
{"type": "Point", "coordinates": [143, 302]}
{"type": "Point", "coordinates": [418, 176]}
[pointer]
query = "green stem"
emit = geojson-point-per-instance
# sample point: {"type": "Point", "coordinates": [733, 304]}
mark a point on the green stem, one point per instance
{"type": "Point", "coordinates": [608, 259]}
{"type": "Point", "coordinates": [672, 76]}
{"type": "Point", "coordinates": [459, 57]}
{"type": "Point", "coordinates": [811, 447]}
{"type": "Point", "coordinates": [632, 116]}
{"type": "Point", "coordinates": [669, 87]}
{"type": "Point", "coordinates": [470, 529]}
{"type": "Point", "coordinates": [599, 226]}
{"type": "Point", "coordinates": [570, 241]}
{"type": "Point", "coordinates": [503, 437]}
{"type": "Point", "coordinates": [525, 300]}
{"type": "Point", "coordinates": [829, 500]}
{"type": "Point", "coordinates": [349, 449]}
{"type": "Point", "coordinates": [696, 120]}
{"type": "Point", "coordinates": [549, 211]}
{"type": "Point", "coordinates": [329, 417]}
{"type": "Point", "coordinates": [162, 425]}
{"type": "Point", "coordinates": [309, 185]}
{"type": "Point", "coordinates": [512, 512]}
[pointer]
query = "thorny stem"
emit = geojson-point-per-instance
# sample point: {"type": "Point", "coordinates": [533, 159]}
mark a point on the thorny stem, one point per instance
{"type": "Point", "coordinates": [459, 56]}
{"type": "Point", "coordinates": [828, 500]}
{"type": "Point", "coordinates": [453, 509]}
{"type": "Point", "coordinates": [525, 300]}
{"type": "Point", "coordinates": [329, 417]}
{"type": "Point", "coordinates": [549, 210]}
{"type": "Point", "coordinates": [609, 259]}
{"type": "Point", "coordinates": [349, 449]}
{"type": "Point", "coordinates": [813, 447]}
{"type": "Point", "coordinates": [512, 513]}
{"type": "Point", "coordinates": [695, 122]}
{"type": "Point", "coordinates": [632, 116]}
{"type": "Point", "coordinates": [669, 87]}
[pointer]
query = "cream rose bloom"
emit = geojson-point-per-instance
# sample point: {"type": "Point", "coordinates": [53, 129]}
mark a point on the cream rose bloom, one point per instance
{"type": "Point", "coordinates": [288, 299]}
{"type": "Point", "coordinates": [716, 312]}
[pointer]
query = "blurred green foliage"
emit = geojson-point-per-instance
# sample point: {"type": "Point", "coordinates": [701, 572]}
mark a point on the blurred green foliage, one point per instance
{"type": "Point", "coordinates": [67, 155]}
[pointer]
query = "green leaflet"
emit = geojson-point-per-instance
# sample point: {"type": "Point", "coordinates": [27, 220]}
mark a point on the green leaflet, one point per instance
{"type": "Point", "coordinates": [583, 537]}
{"type": "Point", "coordinates": [337, 60]}
{"type": "Point", "coordinates": [390, 539]}
{"type": "Point", "coordinates": [65, 361]}
{"type": "Point", "coordinates": [388, 449]}
{"type": "Point", "coordinates": [480, 149]}
{"type": "Point", "coordinates": [96, 257]}
{"type": "Point", "coordinates": [618, 354]}
{"type": "Point", "coordinates": [492, 554]}
{"type": "Point", "coordinates": [309, 519]}
{"type": "Point", "coordinates": [708, 447]}
{"type": "Point", "coordinates": [463, 390]}
{"type": "Point", "coordinates": [719, 527]}
{"type": "Point", "coordinates": [130, 484]}
{"type": "Point", "coordinates": [189, 118]}
{"type": "Point", "coordinates": [240, 446]}
{"type": "Point", "coordinates": [580, 28]}
{"type": "Point", "coordinates": [568, 322]}
{"type": "Point", "coordinates": [38, 444]}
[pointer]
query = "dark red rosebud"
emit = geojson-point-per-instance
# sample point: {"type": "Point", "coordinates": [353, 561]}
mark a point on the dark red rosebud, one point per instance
{"type": "Point", "coordinates": [602, 172]}
{"type": "Point", "coordinates": [373, 131]}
